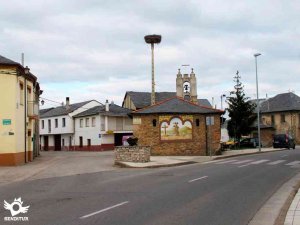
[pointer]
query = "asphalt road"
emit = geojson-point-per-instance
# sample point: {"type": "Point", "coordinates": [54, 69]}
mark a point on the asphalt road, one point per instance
{"type": "Point", "coordinates": [217, 193]}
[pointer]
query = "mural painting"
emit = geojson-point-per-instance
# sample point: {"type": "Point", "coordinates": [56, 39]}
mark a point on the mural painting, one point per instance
{"type": "Point", "coordinates": [176, 128]}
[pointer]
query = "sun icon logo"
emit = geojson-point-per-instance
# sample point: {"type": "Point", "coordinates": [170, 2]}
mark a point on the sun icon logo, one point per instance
{"type": "Point", "coordinates": [16, 207]}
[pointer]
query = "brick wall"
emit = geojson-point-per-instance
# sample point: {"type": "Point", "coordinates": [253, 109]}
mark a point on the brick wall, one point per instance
{"type": "Point", "coordinates": [149, 135]}
{"type": "Point", "coordinates": [132, 154]}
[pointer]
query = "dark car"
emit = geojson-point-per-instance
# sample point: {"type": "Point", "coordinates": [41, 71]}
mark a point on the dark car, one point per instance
{"type": "Point", "coordinates": [249, 142]}
{"type": "Point", "coordinates": [283, 141]}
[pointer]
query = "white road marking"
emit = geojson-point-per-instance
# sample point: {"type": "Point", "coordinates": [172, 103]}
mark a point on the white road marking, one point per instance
{"type": "Point", "coordinates": [254, 163]}
{"type": "Point", "coordinates": [276, 162]}
{"type": "Point", "coordinates": [293, 163]}
{"type": "Point", "coordinates": [243, 161]}
{"type": "Point", "coordinates": [228, 161]}
{"type": "Point", "coordinates": [243, 165]}
{"type": "Point", "coordinates": [259, 161]}
{"type": "Point", "coordinates": [213, 161]}
{"type": "Point", "coordinates": [200, 178]}
{"type": "Point", "coordinates": [103, 210]}
{"type": "Point", "coordinates": [284, 156]}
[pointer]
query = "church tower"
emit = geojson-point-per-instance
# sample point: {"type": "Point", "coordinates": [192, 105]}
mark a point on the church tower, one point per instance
{"type": "Point", "coordinates": [186, 86]}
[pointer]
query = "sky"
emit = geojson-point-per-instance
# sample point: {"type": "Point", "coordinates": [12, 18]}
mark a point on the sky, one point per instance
{"type": "Point", "coordinates": [93, 49]}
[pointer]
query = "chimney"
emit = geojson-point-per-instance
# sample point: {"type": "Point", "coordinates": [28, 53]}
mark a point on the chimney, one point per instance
{"type": "Point", "coordinates": [106, 106]}
{"type": "Point", "coordinates": [67, 101]}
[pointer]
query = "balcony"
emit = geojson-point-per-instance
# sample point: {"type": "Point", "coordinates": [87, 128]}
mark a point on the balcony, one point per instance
{"type": "Point", "coordinates": [32, 110]}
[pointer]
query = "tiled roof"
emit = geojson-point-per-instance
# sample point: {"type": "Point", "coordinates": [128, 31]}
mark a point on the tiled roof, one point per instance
{"type": "Point", "coordinates": [143, 99]}
{"type": "Point", "coordinates": [7, 61]}
{"type": "Point", "coordinates": [281, 102]}
{"type": "Point", "coordinates": [114, 110]}
{"type": "Point", "coordinates": [43, 111]}
{"type": "Point", "coordinates": [63, 110]}
{"type": "Point", "coordinates": [177, 105]}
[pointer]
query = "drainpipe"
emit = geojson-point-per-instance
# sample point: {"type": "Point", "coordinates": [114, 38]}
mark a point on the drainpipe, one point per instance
{"type": "Point", "coordinates": [25, 111]}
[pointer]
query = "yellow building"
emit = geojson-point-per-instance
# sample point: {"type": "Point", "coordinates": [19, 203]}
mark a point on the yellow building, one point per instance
{"type": "Point", "coordinates": [19, 121]}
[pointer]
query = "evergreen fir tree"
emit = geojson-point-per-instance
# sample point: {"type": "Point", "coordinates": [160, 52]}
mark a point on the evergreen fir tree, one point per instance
{"type": "Point", "coordinates": [241, 111]}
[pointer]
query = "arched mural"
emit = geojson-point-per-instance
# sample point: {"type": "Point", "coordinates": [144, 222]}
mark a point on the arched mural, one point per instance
{"type": "Point", "coordinates": [176, 128]}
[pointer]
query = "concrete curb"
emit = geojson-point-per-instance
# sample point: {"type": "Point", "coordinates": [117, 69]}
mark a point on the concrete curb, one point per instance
{"type": "Point", "coordinates": [250, 153]}
{"type": "Point", "coordinates": [273, 212]}
{"type": "Point", "coordinates": [124, 165]}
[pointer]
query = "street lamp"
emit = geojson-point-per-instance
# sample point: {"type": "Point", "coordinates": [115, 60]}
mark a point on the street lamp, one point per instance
{"type": "Point", "coordinates": [152, 39]}
{"type": "Point", "coordinates": [222, 96]}
{"type": "Point", "coordinates": [257, 102]}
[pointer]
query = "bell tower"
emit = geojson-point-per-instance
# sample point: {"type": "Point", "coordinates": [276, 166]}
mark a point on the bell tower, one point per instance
{"type": "Point", "coordinates": [186, 86]}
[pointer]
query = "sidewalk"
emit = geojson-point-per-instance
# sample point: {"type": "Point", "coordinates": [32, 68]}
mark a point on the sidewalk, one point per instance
{"type": "Point", "coordinates": [166, 161]}
{"type": "Point", "coordinates": [293, 214]}
{"type": "Point", "coordinates": [58, 164]}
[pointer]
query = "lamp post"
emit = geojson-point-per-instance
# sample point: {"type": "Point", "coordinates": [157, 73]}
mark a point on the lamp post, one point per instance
{"type": "Point", "coordinates": [152, 39]}
{"type": "Point", "coordinates": [222, 96]}
{"type": "Point", "coordinates": [257, 102]}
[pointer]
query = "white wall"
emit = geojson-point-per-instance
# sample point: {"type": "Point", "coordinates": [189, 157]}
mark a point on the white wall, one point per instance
{"type": "Point", "coordinates": [87, 132]}
{"type": "Point", "coordinates": [57, 130]}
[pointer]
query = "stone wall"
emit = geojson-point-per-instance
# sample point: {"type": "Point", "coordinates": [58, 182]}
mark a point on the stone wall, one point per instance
{"type": "Point", "coordinates": [149, 135]}
{"type": "Point", "coordinates": [132, 153]}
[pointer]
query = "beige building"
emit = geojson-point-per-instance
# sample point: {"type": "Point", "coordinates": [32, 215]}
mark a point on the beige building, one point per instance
{"type": "Point", "coordinates": [280, 115]}
{"type": "Point", "coordinates": [19, 131]}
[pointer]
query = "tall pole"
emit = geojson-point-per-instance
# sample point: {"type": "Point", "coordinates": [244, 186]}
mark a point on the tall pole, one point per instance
{"type": "Point", "coordinates": [153, 80]}
{"type": "Point", "coordinates": [257, 102]}
{"type": "Point", "coordinates": [152, 39]}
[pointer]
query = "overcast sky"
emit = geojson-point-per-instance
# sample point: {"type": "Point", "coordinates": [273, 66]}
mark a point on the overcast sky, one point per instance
{"type": "Point", "coordinates": [93, 49]}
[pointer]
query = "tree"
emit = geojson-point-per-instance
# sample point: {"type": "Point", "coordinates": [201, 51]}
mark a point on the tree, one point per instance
{"type": "Point", "coordinates": [241, 111]}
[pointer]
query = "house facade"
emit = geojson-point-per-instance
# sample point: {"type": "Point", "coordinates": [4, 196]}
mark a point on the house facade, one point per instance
{"type": "Point", "coordinates": [178, 127]}
{"type": "Point", "coordinates": [102, 127]}
{"type": "Point", "coordinates": [57, 125]}
{"type": "Point", "coordinates": [19, 114]}
{"type": "Point", "coordinates": [280, 115]}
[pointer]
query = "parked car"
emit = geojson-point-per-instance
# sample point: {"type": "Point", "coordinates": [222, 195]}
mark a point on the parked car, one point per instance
{"type": "Point", "coordinates": [283, 141]}
{"type": "Point", "coordinates": [249, 142]}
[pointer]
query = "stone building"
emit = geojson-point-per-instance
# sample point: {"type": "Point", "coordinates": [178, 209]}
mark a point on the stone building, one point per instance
{"type": "Point", "coordinates": [280, 115]}
{"type": "Point", "coordinates": [178, 127]}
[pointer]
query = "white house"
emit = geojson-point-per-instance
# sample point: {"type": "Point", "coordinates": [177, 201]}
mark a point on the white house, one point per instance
{"type": "Point", "coordinates": [57, 125]}
{"type": "Point", "coordinates": [102, 127]}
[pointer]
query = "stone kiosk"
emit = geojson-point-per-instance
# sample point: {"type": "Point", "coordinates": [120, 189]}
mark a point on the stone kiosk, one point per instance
{"type": "Point", "coordinates": [178, 127]}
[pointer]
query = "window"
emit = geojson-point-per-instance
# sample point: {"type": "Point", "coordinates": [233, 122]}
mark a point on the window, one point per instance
{"type": "Point", "coordinates": [81, 122]}
{"type": "Point", "coordinates": [21, 93]}
{"type": "Point", "coordinates": [197, 122]}
{"type": "Point", "coordinates": [154, 122]}
{"type": "Point", "coordinates": [87, 122]}
{"type": "Point", "coordinates": [282, 118]}
{"type": "Point", "coordinates": [56, 122]}
{"type": "Point", "coordinates": [43, 124]}
{"type": "Point", "coordinates": [93, 121]}
{"type": "Point", "coordinates": [63, 122]}
{"type": "Point", "coordinates": [89, 142]}
{"type": "Point", "coordinates": [49, 126]}
{"type": "Point", "coordinates": [272, 120]}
